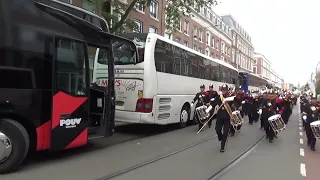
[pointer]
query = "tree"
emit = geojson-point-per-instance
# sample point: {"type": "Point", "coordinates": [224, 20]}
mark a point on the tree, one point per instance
{"type": "Point", "coordinates": [119, 22]}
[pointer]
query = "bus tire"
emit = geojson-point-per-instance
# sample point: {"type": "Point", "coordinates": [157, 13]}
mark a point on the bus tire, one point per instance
{"type": "Point", "coordinates": [184, 116]}
{"type": "Point", "coordinates": [19, 141]}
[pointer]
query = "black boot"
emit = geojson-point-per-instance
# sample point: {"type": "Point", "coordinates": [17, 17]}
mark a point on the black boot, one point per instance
{"type": "Point", "coordinates": [222, 146]}
{"type": "Point", "coordinates": [270, 141]}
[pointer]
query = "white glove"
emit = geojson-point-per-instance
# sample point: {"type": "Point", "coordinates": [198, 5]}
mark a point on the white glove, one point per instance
{"type": "Point", "coordinates": [304, 117]}
{"type": "Point", "coordinates": [243, 102]}
{"type": "Point", "coordinates": [208, 109]}
{"type": "Point", "coordinates": [260, 111]}
{"type": "Point", "coordinates": [212, 99]}
{"type": "Point", "coordinates": [191, 104]}
{"type": "Point", "coordinates": [220, 93]}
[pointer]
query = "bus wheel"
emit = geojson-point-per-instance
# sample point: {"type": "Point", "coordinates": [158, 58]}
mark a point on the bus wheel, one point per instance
{"type": "Point", "coordinates": [14, 145]}
{"type": "Point", "coordinates": [184, 116]}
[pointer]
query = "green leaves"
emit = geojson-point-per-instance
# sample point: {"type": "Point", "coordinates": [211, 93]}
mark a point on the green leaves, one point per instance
{"type": "Point", "coordinates": [118, 20]}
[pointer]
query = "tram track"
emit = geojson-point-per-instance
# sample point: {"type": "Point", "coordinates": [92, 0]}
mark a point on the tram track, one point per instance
{"type": "Point", "coordinates": [122, 172]}
{"type": "Point", "coordinates": [214, 176]}
{"type": "Point", "coordinates": [235, 161]}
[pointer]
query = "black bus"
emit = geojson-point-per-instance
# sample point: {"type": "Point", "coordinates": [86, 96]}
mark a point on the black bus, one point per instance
{"type": "Point", "coordinates": [46, 99]}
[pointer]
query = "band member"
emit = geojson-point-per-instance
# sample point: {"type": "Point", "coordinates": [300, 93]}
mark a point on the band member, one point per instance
{"type": "Point", "coordinates": [253, 105]}
{"type": "Point", "coordinates": [212, 94]}
{"type": "Point", "coordinates": [262, 102]}
{"type": "Point", "coordinates": [201, 98]}
{"type": "Point", "coordinates": [285, 114]}
{"type": "Point", "coordinates": [239, 101]}
{"type": "Point", "coordinates": [223, 116]}
{"type": "Point", "coordinates": [312, 114]}
{"type": "Point", "coordinates": [267, 112]}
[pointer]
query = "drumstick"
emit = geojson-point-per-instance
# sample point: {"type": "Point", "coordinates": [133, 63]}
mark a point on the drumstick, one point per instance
{"type": "Point", "coordinates": [210, 118]}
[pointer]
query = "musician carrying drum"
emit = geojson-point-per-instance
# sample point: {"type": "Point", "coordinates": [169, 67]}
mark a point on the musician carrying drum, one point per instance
{"type": "Point", "coordinates": [311, 115]}
{"type": "Point", "coordinates": [224, 115]}
{"type": "Point", "coordinates": [202, 99]}
{"type": "Point", "coordinates": [266, 112]}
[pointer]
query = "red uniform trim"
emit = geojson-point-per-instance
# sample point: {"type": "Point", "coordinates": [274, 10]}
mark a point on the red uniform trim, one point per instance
{"type": "Point", "coordinates": [43, 136]}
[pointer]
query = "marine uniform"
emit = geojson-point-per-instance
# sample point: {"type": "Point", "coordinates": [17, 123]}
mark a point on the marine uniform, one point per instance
{"type": "Point", "coordinates": [202, 99]}
{"type": "Point", "coordinates": [312, 114]}
{"type": "Point", "coordinates": [223, 117]}
{"type": "Point", "coordinates": [212, 94]}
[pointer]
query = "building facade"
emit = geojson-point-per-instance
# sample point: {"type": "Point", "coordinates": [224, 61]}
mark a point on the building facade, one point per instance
{"type": "Point", "coordinates": [242, 47]}
{"type": "Point", "coordinates": [220, 37]}
{"type": "Point", "coordinates": [263, 68]}
{"type": "Point", "coordinates": [204, 32]}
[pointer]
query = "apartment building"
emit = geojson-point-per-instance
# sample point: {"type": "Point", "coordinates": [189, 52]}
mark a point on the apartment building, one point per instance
{"type": "Point", "coordinates": [242, 47]}
{"type": "Point", "coordinates": [205, 32]}
{"type": "Point", "coordinates": [263, 67]}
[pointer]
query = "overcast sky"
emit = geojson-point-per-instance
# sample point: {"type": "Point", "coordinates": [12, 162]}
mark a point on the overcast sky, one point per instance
{"type": "Point", "coordinates": [285, 31]}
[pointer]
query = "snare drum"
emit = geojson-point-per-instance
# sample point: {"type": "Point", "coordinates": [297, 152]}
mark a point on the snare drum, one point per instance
{"type": "Point", "coordinates": [236, 118]}
{"type": "Point", "coordinates": [201, 113]}
{"type": "Point", "coordinates": [276, 122]}
{"type": "Point", "coordinates": [315, 127]}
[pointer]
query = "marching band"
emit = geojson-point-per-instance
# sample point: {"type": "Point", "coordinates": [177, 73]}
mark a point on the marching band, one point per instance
{"type": "Point", "coordinates": [273, 107]}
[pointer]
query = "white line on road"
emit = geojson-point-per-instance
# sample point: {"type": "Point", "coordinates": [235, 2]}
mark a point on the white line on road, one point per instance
{"type": "Point", "coordinates": [301, 141]}
{"type": "Point", "coordinates": [303, 170]}
{"type": "Point", "coordinates": [300, 128]}
{"type": "Point", "coordinates": [301, 152]}
{"type": "Point", "coordinates": [300, 133]}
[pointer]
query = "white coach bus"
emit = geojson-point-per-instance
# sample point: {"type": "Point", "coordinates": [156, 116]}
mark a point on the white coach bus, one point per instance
{"type": "Point", "coordinates": [159, 88]}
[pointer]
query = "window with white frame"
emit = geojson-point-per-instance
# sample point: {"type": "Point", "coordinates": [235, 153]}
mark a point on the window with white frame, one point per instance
{"type": "Point", "coordinates": [153, 30]}
{"type": "Point", "coordinates": [207, 52]}
{"type": "Point", "coordinates": [233, 55]}
{"type": "Point", "coordinates": [139, 28]}
{"type": "Point", "coordinates": [200, 50]}
{"type": "Point", "coordinates": [222, 47]}
{"type": "Point", "coordinates": [154, 9]}
{"type": "Point", "coordinates": [179, 28]}
{"type": "Point", "coordinates": [195, 47]}
{"type": "Point", "coordinates": [186, 43]}
{"type": "Point", "coordinates": [139, 7]}
{"type": "Point", "coordinates": [208, 38]}
{"type": "Point", "coordinates": [66, 1]}
{"type": "Point", "coordinates": [212, 41]}
{"type": "Point", "coordinates": [186, 27]}
{"type": "Point", "coordinates": [200, 35]}
{"type": "Point", "coordinates": [168, 35]}
{"type": "Point", "coordinates": [222, 58]}
{"type": "Point", "coordinates": [195, 32]}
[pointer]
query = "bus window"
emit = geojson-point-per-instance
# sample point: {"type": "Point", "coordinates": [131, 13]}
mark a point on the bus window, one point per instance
{"type": "Point", "coordinates": [123, 52]}
{"type": "Point", "coordinates": [16, 78]}
{"type": "Point", "coordinates": [70, 64]}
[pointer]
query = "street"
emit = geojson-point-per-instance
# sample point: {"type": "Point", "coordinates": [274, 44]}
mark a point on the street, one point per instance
{"type": "Point", "coordinates": [278, 160]}
{"type": "Point", "coordinates": [181, 154]}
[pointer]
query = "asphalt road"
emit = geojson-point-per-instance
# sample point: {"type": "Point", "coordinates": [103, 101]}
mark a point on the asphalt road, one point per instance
{"type": "Point", "coordinates": [199, 162]}
{"type": "Point", "coordinates": [103, 156]}
{"type": "Point", "coordinates": [279, 160]}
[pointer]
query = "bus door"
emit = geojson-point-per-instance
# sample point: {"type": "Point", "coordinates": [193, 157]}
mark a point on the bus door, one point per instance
{"type": "Point", "coordinates": [70, 95]}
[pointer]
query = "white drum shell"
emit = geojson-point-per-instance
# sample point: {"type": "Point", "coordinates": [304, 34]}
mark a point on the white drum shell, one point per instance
{"type": "Point", "coordinates": [315, 127]}
{"type": "Point", "coordinates": [276, 122]}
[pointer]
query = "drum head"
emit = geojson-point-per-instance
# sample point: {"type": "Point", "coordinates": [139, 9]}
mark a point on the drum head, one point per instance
{"type": "Point", "coordinates": [316, 123]}
{"type": "Point", "coordinates": [276, 116]}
